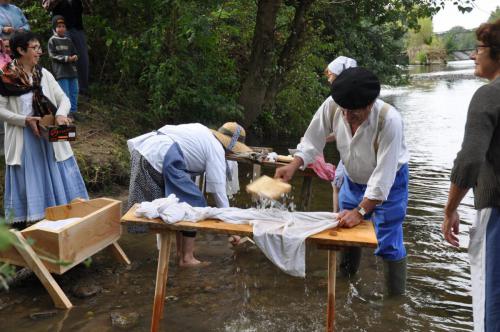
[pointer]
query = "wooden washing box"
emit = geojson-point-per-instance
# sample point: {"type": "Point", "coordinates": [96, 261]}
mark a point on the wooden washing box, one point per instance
{"type": "Point", "coordinates": [98, 227]}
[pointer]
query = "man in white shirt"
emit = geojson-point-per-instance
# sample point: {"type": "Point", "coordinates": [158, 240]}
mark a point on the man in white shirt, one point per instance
{"type": "Point", "coordinates": [164, 161]}
{"type": "Point", "coordinates": [370, 139]}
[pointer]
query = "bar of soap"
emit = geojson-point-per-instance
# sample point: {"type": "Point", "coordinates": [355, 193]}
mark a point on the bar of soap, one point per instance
{"type": "Point", "coordinates": [285, 159]}
{"type": "Point", "coordinates": [268, 187]}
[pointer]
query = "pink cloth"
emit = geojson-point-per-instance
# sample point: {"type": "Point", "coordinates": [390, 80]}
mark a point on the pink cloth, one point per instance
{"type": "Point", "coordinates": [324, 170]}
{"type": "Point", "coordinates": [4, 57]}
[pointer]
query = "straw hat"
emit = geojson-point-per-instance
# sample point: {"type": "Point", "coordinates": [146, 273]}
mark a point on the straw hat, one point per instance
{"type": "Point", "coordinates": [232, 136]}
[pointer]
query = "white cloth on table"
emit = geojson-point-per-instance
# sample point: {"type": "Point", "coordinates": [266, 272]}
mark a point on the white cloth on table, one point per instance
{"type": "Point", "coordinates": [279, 234]}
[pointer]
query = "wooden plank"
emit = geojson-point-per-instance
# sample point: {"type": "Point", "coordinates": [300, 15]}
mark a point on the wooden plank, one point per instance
{"type": "Point", "coordinates": [11, 256]}
{"type": "Point", "coordinates": [77, 209]}
{"type": "Point", "coordinates": [75, 242]}
{"type": "Point", "coordinates": [35, 264]}
{"type": "Point", "coordinates": [362, 235]}
{"type": "Point", "coordinates": [166, 239]}
{"type": "Point", "coordinates": [119, 254]}
{"type": "Point", "coordinates": [261, 149]}
{"type": "Point", "coordinates": [330, 307]}
{"type": "Point", "coordinates": [267, 164]}
{"type": "Point", "coordinates": [92, 234]}
{"type": "Point", "coordinates": [45, 243]}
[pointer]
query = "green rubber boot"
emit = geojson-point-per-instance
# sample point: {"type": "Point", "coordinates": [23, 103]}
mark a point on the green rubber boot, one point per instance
{"type": "Point", "coordinates": [395, 276]}
{"type": "Point", "coordinates": [349, 261]}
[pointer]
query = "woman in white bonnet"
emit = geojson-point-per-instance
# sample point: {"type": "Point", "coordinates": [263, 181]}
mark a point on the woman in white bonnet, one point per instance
{"type": "Point", "coordinates": [333, 70]}
{"type": "Point", "coordinates": [337, 66]}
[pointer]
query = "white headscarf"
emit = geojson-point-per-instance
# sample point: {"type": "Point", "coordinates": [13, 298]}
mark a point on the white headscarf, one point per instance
{"type": "Point", "coordinates": [340, 64]}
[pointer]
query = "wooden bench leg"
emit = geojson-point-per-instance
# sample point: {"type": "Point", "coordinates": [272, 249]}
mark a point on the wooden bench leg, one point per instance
{"type": "Point", "coordinates": [166, 239]}
{"type": "Point", "coordinates": [256, 171]}
{"type": "Point", "coordinates": [119, 253]}
{"type": "Point", "coordinates": [35, 264]}
{"type": "Point", "coordinates": [306, 192]}
{"type": "Point", "coordinates": [330, 308]}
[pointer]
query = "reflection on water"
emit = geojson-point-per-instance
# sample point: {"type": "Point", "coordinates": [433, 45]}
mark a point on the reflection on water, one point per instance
{"type": "Point", "coordinates": [242, 291]}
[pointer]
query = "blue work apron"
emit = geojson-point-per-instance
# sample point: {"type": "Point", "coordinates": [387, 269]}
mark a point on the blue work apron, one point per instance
{"type": "Point", "coordinates": [178, 179]}
{"type": "Point", "coordinates": [387, 218]}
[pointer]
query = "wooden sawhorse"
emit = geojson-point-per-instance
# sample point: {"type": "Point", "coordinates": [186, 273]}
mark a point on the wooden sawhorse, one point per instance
{"type": "Point", "coordinates": [362, 235]}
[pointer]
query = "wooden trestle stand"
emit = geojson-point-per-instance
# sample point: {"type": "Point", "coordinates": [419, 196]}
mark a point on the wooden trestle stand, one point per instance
{"type": "Point", "coordinates": [98, 228]}
{"type": "Point", "coordinates": [362, 235]}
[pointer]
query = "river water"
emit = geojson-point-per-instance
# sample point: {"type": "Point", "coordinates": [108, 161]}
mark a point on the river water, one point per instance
{"type": "Point", "coordinates": [242, 291]}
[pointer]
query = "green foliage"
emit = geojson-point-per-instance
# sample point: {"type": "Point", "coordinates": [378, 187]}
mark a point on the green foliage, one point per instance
{"type": "Point", "coordinates": [171, 61]}
{"type": "Point", "coordinates": [178, 61]}
{"type": "Point", "coordinates": [495, 15]}
{"type": "Point", "coordinates": [422, 35]}
{"type": "Point", "coordinates": [459, 38]}
{"type": "Point", "coordinates": [6, 240]}
{"type": "Point", "coordinates": [421, 57]}
{"type": "Point", "coordinates": [5, 236]}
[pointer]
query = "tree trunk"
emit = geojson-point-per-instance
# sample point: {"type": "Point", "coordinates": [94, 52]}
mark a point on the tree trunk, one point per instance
{"type": "Point", "coordinates": [253, 90]}
{"type": "Point", "coordinates": [288, 55]}
{"type": "Point", "coordinates": [263, 82]}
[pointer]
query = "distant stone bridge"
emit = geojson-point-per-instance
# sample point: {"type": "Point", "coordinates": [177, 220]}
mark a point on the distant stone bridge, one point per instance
{"type": "Point", "coordinates": [461, 54]}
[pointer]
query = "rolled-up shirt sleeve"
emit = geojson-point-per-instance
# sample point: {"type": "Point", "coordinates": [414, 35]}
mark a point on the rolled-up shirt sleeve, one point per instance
{"type": "Point", "coordinates": [380, 182]}
{"type": "Point", "coordinates": [221, 200]}
{"type": "Point", "coordinates": [314, 139]}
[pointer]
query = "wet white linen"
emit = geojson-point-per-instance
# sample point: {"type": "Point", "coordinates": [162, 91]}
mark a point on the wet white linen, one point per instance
{"type": "Point", "coordinates": [54, 225]}
{"type": "Point", "coordinates": [279, 234]}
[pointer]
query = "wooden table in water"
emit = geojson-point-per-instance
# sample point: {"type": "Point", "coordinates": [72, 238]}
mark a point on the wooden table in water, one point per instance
{"type": "Point", "coordinates": [362, 235]}
{"type": "Point", "coordinates": [307, 175]}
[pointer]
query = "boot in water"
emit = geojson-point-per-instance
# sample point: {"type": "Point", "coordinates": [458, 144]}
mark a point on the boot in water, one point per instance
{"type": "Point", "coordinates": [395, 276]}
{"type": "Point", "coordinates": [349, 261]}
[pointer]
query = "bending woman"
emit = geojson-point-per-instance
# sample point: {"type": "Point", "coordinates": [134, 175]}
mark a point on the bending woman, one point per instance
{"type": "Point", "coordinates": [39, 174]}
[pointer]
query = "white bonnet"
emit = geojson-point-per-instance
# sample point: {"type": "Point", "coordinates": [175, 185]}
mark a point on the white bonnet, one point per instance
{"type": "Point", "coordinates": [341, 63]}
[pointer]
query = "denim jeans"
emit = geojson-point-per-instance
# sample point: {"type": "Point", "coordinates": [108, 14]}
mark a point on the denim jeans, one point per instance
{"type": "Point", "coordinates": [80, 41]}
{"type": "Point", "coordinates": [70, 88]}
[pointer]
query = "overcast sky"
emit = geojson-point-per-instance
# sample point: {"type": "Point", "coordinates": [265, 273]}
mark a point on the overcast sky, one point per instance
{"type": "Point", "coordinates": [449, 17]}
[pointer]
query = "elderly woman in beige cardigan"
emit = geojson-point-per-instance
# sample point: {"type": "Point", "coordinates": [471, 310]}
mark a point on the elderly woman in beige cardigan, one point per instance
{"type": "Point", "coordinates": [39, 173]}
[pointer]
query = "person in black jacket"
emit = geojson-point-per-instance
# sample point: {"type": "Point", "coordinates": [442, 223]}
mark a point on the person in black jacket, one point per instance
{"type": "Point", "coordinates": [72, 11]}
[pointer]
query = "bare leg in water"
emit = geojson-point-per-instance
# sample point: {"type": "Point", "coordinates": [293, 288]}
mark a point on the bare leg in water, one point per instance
{"type": "Point", "coordinates": [185, 251]}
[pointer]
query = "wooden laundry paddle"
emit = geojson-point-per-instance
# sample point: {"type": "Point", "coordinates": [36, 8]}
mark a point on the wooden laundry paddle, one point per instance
{"type": "Point", "coordinates": [268, 187]}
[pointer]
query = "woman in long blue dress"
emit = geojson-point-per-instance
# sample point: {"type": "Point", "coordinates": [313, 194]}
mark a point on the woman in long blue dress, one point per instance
{"type": "Point", "coordinates": [38, 174]}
